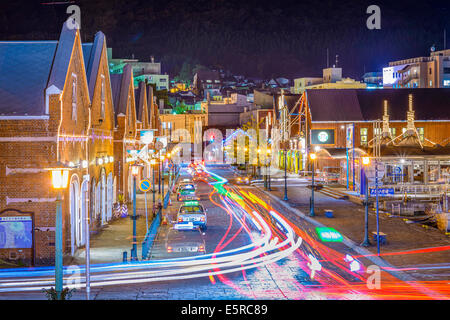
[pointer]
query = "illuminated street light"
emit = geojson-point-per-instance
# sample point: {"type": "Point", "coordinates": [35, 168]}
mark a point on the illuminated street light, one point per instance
{"type": "Point", "coordinates": [134, 173]}
{"type": "Point", "coordinates": [60, 180]}
{"type": "Point", "coordinates": [366, 161]}
{"type": "Point", "coordinates": [313, 157]}
{"type": "Point", "coordinates": [365, 183]}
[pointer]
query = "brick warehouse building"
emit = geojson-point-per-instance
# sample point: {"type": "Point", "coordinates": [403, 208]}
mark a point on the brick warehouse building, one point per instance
{"type": "Point", "coordinates": [43, 121]}
{"type": "Point", "coordinates": [70, 111]}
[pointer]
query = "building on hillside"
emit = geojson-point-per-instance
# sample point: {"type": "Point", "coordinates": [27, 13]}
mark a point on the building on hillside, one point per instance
{"type": "Point", "coordinates": [224, 113]}
{"type": "Point", "coordinates": [142, 71]}
{"type": "Point", "coordinates": [331, 79]}
{"type": "Point", "coordinates": [420, 72]}
{"type": "Point", "coordinates": [44, 123]}
{"type": "Point", "coordinates": [207, 81]}
{"type": "Point", "coordinates": [373, 80]}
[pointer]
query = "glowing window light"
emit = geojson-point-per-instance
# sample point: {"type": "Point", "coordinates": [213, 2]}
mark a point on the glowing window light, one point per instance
{"type": "Point", "coordinates": [60, 178]}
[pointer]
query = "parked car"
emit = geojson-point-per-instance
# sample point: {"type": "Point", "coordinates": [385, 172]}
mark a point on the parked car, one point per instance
{"type": "Point", "coordinates": [185, 242]}
{"type": "Point", "coordinates": [187, 192]}
{"type": "Point", "coordinates": [192, 212]}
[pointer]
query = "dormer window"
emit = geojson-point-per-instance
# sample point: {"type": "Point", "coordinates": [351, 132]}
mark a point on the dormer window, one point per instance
{"type": "Point", "coordinates": [102, 106]}
{"type": "Point", "coordinates": [74, 97]}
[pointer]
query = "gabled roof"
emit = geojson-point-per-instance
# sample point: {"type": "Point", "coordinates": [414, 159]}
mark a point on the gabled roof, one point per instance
{"type": "Point", "coordinates": [24, 65]}
{"type": "Point", "coordinates": [140, 96]}
{"type": "Point", "coordinates": [333, 105]}
{"type": "Point", "coordinates": [92, 53]}
{"type": "Point", "coordinates": [28, 68]}
{"type": "Point", "coordinates": [120, 84]}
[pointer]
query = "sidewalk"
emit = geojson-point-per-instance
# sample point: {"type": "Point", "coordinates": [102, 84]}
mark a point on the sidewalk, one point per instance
{"type": "Point", "coordinates": [417, 246]}
{"type": "Point", "coordinates": [109, 244]}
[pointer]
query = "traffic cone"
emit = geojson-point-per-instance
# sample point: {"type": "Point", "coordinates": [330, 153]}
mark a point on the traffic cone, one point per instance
{"type": "Point", "coordinates": [164, 221]}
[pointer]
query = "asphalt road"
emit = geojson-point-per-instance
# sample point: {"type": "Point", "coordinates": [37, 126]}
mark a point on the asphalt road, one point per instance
{"type": "Point", "coordinates": [256, 248]}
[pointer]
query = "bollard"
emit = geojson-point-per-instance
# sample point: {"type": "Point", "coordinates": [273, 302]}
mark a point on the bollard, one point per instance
{"type": "Point", "coordinates": [125, 258]}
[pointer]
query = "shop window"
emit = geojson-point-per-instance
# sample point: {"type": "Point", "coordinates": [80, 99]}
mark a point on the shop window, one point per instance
{"type": "Point", "coordinates": [421, 133]}
{"type": "Point", "coordinates": [393, 131]}
{"type": "Point", "coordinates": [363, 136]}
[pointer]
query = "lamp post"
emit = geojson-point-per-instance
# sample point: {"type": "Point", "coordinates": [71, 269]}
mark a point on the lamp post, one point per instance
{"type": "Point", "coordinates": [60, 179]}
{"type": "Point", "coordinates": [134, 172]}
{"type": "Point", "coordinates": [365, 163]}
{"type": "Point", "coordinates": [313, 157]}
{"type": "Point", "coordinates": [162, 178]}
{"type": "Point", "coordinates": [153, 163]}
{"type": "Point", "coordinates": [285, 174]}
{"type": "Point", "coordinates": [269, 151]}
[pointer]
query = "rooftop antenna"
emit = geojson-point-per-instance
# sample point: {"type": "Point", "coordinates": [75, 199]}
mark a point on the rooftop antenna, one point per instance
{"type": "Point", "coordinates": [445, 39]}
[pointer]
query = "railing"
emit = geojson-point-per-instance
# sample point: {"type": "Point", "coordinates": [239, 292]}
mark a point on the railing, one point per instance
{"type": "Point", "coordinates": [151, 235]}
{"type": "Point", "coordinates": [153, 230]}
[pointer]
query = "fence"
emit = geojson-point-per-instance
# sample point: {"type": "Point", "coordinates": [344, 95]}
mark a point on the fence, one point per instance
{"type": "Point", "coordinates": [153, 230]}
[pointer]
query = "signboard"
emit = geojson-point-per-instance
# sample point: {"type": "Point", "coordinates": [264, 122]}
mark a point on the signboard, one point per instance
{"type": "Point", "coordinates": [329, 235]}
{"type": "Point", "coordinates": [146, 136]}
{"type": "Point", "coordinates": [17, 235]}
{"type": "Point", "coordinates": [144, 186]}
{"type": "Point", "coordinates": [349, 136]}
{"type": "Point", "coordinates": [383, 192]}
{"type": "Point", "coordinates": [16, 232]}
{"type": "Point", "coordinates": [322, 136]}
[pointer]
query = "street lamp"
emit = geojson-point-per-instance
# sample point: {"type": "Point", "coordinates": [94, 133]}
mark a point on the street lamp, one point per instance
{"type": "Point", "coordinates": [153, 163]}
{"type": "Point", "coordinates": [269, 152]}
{"type": "Point", "coordinates": [60, 180]}
{"type": "Point", "coordinates": [162, 177]}
{"type": "Point", "coordinates": [134, 173]}
{"type": "Point", "coordinates": [365, 163]}
{"type": "Point", "coordinates": [313, 157]}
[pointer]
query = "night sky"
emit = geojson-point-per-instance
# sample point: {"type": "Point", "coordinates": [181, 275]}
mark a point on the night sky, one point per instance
{"type": "Point", "coordinates": [254, 38]}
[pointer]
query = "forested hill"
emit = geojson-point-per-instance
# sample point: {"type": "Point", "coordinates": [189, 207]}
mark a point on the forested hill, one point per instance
{"type": "Point", "coordinates": [254, 38]}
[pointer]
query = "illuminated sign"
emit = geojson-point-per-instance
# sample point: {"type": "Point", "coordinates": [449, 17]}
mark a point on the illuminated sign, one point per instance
{"type": "Point", "coordinates": [16, 232]}
{"type": "Point", "coordinates": [324, 136]}
{"type": "Point", "coordinates": [191, 203]}
{"type": "Point", "coordinates": [329, 235]}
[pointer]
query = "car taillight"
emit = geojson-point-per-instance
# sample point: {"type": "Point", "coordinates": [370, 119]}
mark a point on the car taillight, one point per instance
{"type": "Point", "coordinates": [169, 249]}
{"type": "Point", "coordinates": [202, 218]}
{"type": "Point", "coordinates": [201, 248]}
{"type": "Point", "coordinates": [180, 219]}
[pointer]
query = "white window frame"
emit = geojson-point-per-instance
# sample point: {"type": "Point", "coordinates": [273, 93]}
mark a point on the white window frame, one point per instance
{"type": "Point", "coordinates": [102, 97]}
